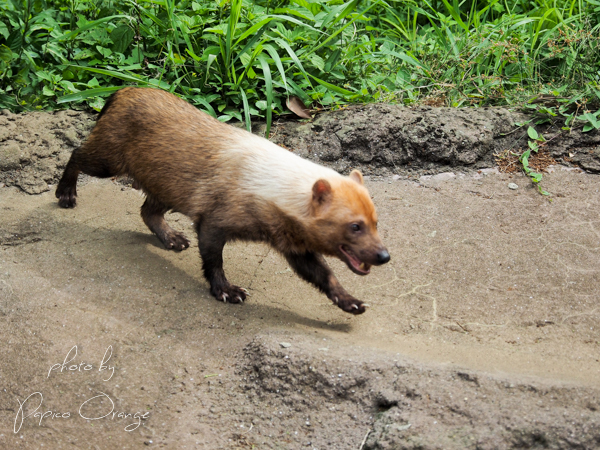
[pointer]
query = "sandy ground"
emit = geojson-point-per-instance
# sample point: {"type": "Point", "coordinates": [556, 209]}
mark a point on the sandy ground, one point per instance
{"type": "Point", "coordinates": [491, 283]}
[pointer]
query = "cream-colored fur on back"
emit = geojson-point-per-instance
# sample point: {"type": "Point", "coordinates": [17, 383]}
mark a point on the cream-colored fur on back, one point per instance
{"type": "Point", "coordinates": [278, 176]}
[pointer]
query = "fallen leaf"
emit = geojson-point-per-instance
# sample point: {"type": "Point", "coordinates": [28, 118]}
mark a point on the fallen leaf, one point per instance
{"type": "Point", "coordinates": [296, 105]}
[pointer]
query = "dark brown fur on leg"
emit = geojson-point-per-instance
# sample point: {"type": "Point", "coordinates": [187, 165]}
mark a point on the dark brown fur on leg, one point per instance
{"type": "Point", "coordinates": [66, 191]}
{"type": "Point", "coordinates": [81, 161]}
{"type": "Point", "coordinates": [153, 213]}
{"type": "Point", "coordinates": [211, 243]}
{"type": "Point", "coordinates": [313, 268]}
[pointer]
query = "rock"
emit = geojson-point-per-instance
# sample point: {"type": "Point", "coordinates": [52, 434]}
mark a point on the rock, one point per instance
{"type": "Point", "coordinates": [380, 139]}
{"type": "Point", "coordinates": [35, 146]}
{"type": "Point", "coordinates": [10, 156]}
{"type": "Point", "coordinates": [513, 186]}
{"type": "Point", "coordinates": [444, 176]}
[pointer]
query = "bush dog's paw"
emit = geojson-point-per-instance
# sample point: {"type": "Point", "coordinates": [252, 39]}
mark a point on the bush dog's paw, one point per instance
{"type": "Point", "coordinates": [350, 304]}
{"type": "Point", "coordinates": [230, 294]}
{"type": "Point", "coordinates": [176, 241]}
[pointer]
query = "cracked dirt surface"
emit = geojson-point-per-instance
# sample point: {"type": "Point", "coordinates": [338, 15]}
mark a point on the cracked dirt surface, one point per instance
{"type": "Point", "coordinates": [482, 331]}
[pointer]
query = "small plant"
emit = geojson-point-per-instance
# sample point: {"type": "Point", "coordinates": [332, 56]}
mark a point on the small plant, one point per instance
{"type": "Point", "coordinates": [592, 122]}
{"type": "Point", "coordinates": [535, 140]}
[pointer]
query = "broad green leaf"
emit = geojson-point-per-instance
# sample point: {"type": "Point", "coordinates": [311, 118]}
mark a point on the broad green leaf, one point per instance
{"type": "Point", "coordinates": [4, 30]}
{"type": "Point", "coordinates": [317, 61]}
{"type": "Point", "coordinates": [93, 83]}
{"type": "Point", "coordinates": [333, 59]}
{"type": "Point", "coordinates": [532, 133]}
{"type": "Point", "coordinates": [106, 52]}
{"type": "Point", "coordinates": [593, 122]}
{"type": "Point", "coordinates": [215, 30]}
{"type": "Point", "coordinates": [5, 53]}
{"type": "Point", "coordinates": [535, 177]}
{"type": "Point", "coordinates": [14, 41]}
{"type": "Point", "coordinates": [122, 36]}
{"type": "Point", "coordinates": [177, 59]}
{"type": "Point", "coordinates": [44, 76]}
{"type": "Point", "coordinates": [96, 103]}
{"type": "Point", "coordinates": [533, 146]}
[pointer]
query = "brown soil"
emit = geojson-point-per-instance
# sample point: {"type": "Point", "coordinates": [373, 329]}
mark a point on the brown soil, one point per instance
{"type": "Point", "coordinates": [508, 162]}
{"type": "Point", "coordinates": [482, 331]}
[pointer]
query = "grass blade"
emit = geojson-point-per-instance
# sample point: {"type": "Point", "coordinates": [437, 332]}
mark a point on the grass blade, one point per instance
{"type": "Point", "coordinates": [277, 60]}
{"type": "Point", "coordinates": [269, 88]}
{"type": "Point", "coordinates": [246, 110]}
{"type": "Point", "coordinates": [92, 24]}
{"type": "Point", "coordinates": [332, 87]}
{"type": "Point", "coordinates": [79, 96]}
{"type": "Point", "coordinates": [125, 76]}
{"type": "Point", "coordinates": [295, 58]}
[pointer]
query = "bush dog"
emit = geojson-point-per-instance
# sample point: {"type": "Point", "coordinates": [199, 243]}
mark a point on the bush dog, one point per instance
{"type": "Point", "coordinates": [234, 186]}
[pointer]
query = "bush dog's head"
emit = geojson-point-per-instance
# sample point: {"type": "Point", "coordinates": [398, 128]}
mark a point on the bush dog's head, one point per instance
{"type": "Point", "coordinates": [347, 223]}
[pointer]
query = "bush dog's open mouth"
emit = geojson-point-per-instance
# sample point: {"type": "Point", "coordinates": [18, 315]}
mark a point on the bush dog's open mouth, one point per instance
{"type": "Point", "coordinates": [355, 264]}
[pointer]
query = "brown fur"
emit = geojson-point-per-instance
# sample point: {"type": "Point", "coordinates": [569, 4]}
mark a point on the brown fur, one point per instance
{"type": "Point", "coordinates": [188, 162]}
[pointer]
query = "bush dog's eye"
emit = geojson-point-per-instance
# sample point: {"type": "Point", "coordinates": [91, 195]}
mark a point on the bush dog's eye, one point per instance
{"type": "Point", "coordinates": [355, 227]}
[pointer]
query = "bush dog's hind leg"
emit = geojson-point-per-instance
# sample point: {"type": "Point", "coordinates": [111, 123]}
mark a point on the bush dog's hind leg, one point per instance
{"type": "Point", "coordinates": [153, 213]}
{"type": "Point", "coordinates": [313, 268]}
{"type": "Point", "coordinates": [80, 161]}
{"type": "Point", "coordinates": [211, 243]}
{"type": "Point", "coordinates": [66, 191]}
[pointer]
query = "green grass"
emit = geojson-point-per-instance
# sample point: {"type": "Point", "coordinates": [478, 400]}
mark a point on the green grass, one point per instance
{"type": "Point", "coordinates": [241, 59]}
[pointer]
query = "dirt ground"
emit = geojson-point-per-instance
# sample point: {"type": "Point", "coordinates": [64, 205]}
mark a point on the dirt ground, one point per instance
{"type": "Point", "coordinates": [482, 331]}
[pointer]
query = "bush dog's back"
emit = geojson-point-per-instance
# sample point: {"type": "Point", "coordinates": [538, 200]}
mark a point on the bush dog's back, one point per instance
{"type": "Point", "coordinates": [233, 185]}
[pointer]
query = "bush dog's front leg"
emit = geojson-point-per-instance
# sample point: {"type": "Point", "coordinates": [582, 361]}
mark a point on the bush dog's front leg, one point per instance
{"type": "Point", "coordinates": [211, 243]}
{"type": "Point", "coordinates": [313, 268]}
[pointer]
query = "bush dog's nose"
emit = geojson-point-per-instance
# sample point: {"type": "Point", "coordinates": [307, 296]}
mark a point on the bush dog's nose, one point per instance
{"type": "Point", "coordinates": [383, 257]}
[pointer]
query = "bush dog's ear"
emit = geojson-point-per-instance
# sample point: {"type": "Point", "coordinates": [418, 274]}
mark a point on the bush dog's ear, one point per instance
{"type": "Point", "coordinates": [355, 175]}
{"type": "Point", "coordinates": [321, 192]}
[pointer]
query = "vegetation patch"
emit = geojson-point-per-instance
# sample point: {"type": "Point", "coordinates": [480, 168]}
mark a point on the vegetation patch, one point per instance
{"type": "Point", "coordinates": [245, 59]}
{"type": "Point", "coordinates": [508, 161]}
